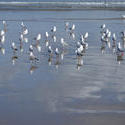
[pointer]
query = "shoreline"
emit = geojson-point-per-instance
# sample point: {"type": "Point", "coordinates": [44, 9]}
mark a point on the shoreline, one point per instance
{"type": "Point", "coordinates": [62, 5]}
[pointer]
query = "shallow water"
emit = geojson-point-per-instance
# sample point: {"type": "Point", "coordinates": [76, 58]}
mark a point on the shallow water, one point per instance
{"type": "Point", "coordinates": [65, 94]}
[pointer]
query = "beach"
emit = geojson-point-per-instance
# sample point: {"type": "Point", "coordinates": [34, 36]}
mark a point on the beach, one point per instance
{"type": "Point", "coordinates": [62, 93]}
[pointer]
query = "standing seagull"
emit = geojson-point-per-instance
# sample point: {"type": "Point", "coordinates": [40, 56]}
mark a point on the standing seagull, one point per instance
{"type": "Point", "coordinates": [103, 26]}
{"type": "Point", "coordinates": [53, 29]}
{"type": "Point", "coordinates": [50, 51]}
{"type": "Point", "coordinates": [38, 38]}
{"type": "Point", "coordinates": [13, 46]}
{"type": "Point", "coordinates": [86, 35]}
{"type": "Point", "coordinates": [114, 42]}
{"type": "Point", "coordinates": [57, 52]}
{"type": "Point", "coordinates": [46, 35]}
{"type": "Point", "coordinates": [33, 57]}
{"type": "Point", "coordinates": [120, 52]}
{"type": "Point", "coordinates": [63, 43]}
{"type": "Point", "coordinates": [25, 31]}
{"type": "Point", "coordinates": [72, 28]}
{"type": "Point", "coordinates": [5, 25]}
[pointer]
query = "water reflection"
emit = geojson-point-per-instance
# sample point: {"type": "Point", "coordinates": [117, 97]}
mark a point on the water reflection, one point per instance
{"type": "Point", "coordinates": [79, 62]}
{"type": "Point", "coordinates": [57, 62]}
{"type": "Point", "coordinates": [50, 60]}
{"type": "Point", "coordinates": [32, 69]}
{"type": "Point", "coordinates": [14, 59]}
{"type": "Point", "coordinates": [103, 46]}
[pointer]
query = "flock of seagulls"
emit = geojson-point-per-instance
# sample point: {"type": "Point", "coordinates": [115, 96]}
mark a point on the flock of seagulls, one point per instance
{"type": "Point", "coordinates": [56, 48]}
{"type": "Point", "coordinates": [3, 36]}
{"type": "Point", "coordinates": [109, 39]}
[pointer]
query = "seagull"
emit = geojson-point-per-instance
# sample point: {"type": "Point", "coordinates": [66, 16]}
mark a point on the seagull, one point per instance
{"type": "Point", "coordinates": [103, 39]}
{"type": "Point", "coordinates": [22, 24]}
{"type": "Point", "coordinates": [73, 36]}
{"type": "Point", "coordinates": [47, 35]}
{"type": "Point", "coordinates": [54, 38]}
{"type": "Point", "coordinates": [106, 31]}
{"type": "Point", "coordinates": [53, 29]}
{"type": "Point", "coordinates": [103, 26]}
{"type": "Point", "coordinates": [113, 37]}
{"type": "Point", "coordinates": [79, 52]}
{"type": "Point", "coordinates": [73, 27]}
{"type": "Point", "coordinates": [119, 48]}
{"type": "Point", "coordinates": [13, 46]}
{"type": "Point", "coordinates": [86, 35]}
{"type": "Point", "coordinates": [123, 38]}
{"type": "Point", "coordinates": [2, 50]}
{"type": "Point", "coordinates": [31, 48]}
{"type": "Point", "coordinates": [81, 38]}
{"type": "Point", "coordinates": [63, 42]}
{"type": "Point", "coordinates": [32, 56]}
{"type": "Point", "coordinates": [119, 52]}
{"type": "Point", "coordinates": [21, 37]}
{"type": "Point", "coordinates": [25, 32]}
{"type": "Point", "coordinates": [50, 51]}
{"type": "Point", "coordinates": [4, 23]}
{"type": "Point", "coordinates": [38, 37]}
{"type": "Point", "coordinates": [109, 34]}
{"type": "Point", "coordinates": [2, 32]}
{"type": "Point", "coordinates": [2, 39]}
{"type": "Point", "coordinates": [57, 52]}
{"type": "Point", "coordinates": [78, 44]}
{"type": "Point", "coordinates": [123, 33]}
{"type": "Point", "coordinates": [85, 45]}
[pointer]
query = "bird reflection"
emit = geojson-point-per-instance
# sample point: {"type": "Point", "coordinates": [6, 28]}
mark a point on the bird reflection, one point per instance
{"type": "Point", "coordinates": [103, 46]}
{"type": "Point", "coordinates": [119, 59]}
{"type": "Point", "coordinates": [62, 55]}
{"type": "Point", "coordinates": [64, 52]}
{"type": "Point", "coordinates": [14, 58]}
{"type": "Point", "coordinates": [79, 62]}
{"type": "Point", "coordinates": [54, 38]}
{"type": "Point", "coordinates": [21, 46]}
{"type": "Point", "coordinates": [47, 43]}
{"type": "Point", "coordinates": [32, 69]}
{"type": "Point", "coordinates": [124, 44]}
{"type": "Point", "coordinates": [114, 47]}
{"type": "Point", "coordinates": [57, 63]}
{"type": "Point", "coordinates": [50, 60]}
{"type": "Point", "coordinates": [25, 39]}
